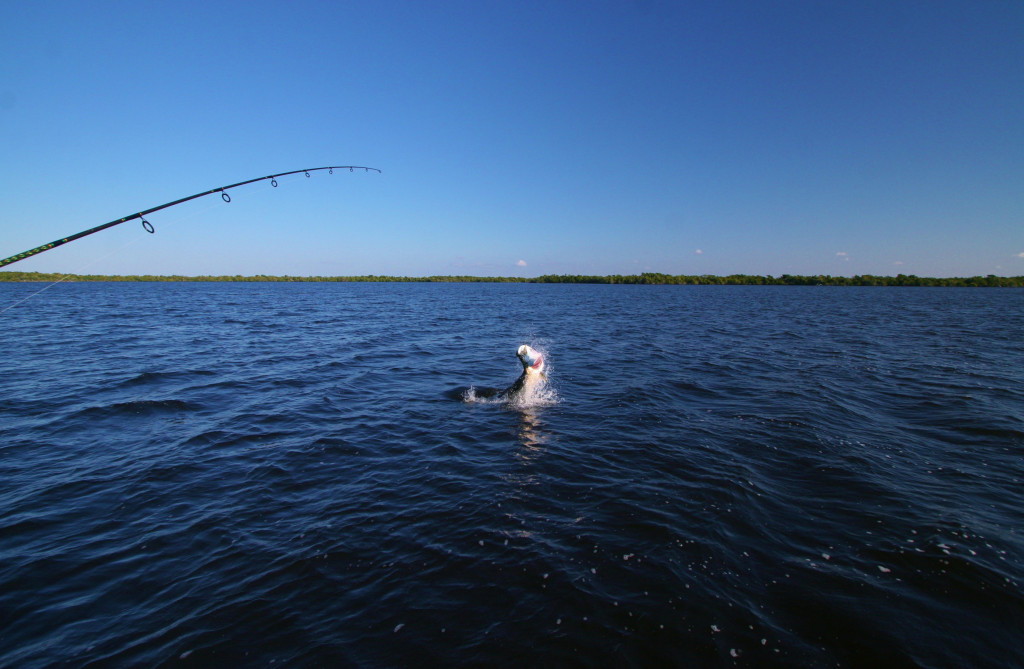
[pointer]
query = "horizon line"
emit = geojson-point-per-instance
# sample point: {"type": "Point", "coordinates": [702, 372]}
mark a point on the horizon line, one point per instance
{"type": "Point", "coordinates": [645, 278]}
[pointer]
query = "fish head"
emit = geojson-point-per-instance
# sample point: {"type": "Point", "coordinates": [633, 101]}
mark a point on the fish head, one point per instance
{"type": "Point", "coordinates": [532, 360]}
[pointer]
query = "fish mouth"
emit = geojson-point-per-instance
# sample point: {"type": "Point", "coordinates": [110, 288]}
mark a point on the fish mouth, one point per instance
{"type": "Point", "coordinates": [530, 358]}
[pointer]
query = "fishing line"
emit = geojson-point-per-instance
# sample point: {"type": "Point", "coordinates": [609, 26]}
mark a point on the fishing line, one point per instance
{"type": "Point", "coordinates": [149, 226]}
{"type": "Point", "coordinates": [81, 270]}
{"type": "Point", "coordinates": [29, 297]}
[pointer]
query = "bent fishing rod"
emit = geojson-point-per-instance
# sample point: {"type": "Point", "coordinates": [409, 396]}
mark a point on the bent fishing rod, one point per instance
{"type": "Point", "coordinates": [149, 226]}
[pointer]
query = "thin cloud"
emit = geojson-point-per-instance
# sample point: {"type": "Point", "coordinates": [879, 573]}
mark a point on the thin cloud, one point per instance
{"type": "Point", "coordinates": [698, 252]}
{"type": "Point", "coordinates": [1020, 255]}
{"type": "Point", "coordinates": [520, 263]}
{"type": "Point", "coordinates": [841, 253]}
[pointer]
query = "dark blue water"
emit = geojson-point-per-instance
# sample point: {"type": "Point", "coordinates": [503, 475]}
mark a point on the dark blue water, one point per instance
{"type": "Point", "coordinates": [259, 474]}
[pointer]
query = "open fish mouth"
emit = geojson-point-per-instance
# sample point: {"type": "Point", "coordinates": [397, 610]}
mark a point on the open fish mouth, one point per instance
{"type": "Point", "coordinates": [530, 358]}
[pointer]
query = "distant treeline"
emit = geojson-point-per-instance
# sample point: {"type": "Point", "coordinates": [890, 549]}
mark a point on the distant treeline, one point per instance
{"type": "Point", "coordinates": [990, 281]}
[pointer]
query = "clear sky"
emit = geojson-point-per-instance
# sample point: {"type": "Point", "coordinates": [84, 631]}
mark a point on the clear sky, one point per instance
{"type": "Point", "coordinates": [517, 138]}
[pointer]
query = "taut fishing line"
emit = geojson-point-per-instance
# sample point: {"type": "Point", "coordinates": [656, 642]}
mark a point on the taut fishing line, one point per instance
{"type": "Point", "coordinates": [148, 227]}
{"type": "Point", "coordinates": [81, 270]}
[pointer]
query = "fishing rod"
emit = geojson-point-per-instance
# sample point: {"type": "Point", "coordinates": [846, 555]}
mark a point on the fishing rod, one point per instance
{"type": "Point", "coordinates": [149, 226]}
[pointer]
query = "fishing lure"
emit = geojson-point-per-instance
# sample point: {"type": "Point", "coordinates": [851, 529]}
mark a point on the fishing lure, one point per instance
{"type": "Point", "coordinates": [149, 226]}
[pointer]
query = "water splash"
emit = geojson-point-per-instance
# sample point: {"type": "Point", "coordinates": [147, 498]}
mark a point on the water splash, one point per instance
{"type": "Point", "coordinates": [534, 394]}
{"type": "Point", "coordinates": [537, 390]}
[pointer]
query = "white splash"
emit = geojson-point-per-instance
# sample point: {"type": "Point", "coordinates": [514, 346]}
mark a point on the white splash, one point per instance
{"type": "Point", "coordinates": [536, 390]}
{"type": "Point", "coordinates": [534, 386]}
{"type": "Point", "coordinates": [535, 393]}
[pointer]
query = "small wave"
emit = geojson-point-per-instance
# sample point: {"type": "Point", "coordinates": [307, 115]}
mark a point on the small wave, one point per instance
{"type": "Point", "coordinates": [138, 407]}
{"type": "Point", "coordinates": [248, 439]}
{"type": "Point", "coordinates": [150, 378]}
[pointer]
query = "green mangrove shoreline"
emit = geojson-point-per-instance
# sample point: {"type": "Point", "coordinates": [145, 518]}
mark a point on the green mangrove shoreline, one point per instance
{"type": "Point", "coordinates": [989, 281]}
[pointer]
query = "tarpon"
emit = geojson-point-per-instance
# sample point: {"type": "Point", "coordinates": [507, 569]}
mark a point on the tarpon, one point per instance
{"type": "Point", "coordinates": [533, 373]}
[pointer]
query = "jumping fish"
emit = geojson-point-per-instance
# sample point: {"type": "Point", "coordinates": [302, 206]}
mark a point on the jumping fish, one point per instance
{"type": "Point", "coordinates": [532, 376]}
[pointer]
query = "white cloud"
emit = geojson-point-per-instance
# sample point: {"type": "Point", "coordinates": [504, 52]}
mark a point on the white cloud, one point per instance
{"type": "Point", "coordinates": [898, 262]}
{"type": "Point", "coordinates": [698, 252]}
{"type": "Point", "coordinates": [841, 253]}
{"type": "Point", "coordinates": [1020, 255]}
{"type": "Point", "coordinates": [521, 263]}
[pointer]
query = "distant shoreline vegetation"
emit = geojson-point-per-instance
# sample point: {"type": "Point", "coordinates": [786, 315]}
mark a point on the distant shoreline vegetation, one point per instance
{"type": "Point", "coordinates": [989, 281]}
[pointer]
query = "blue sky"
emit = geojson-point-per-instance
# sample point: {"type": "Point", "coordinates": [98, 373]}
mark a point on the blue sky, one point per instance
{"type": "Point", "coordinates": [517, 139]}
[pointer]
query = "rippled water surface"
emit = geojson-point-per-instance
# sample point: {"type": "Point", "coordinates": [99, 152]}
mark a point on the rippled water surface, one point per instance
{"type": "Point", "coordinates": [257, 474]}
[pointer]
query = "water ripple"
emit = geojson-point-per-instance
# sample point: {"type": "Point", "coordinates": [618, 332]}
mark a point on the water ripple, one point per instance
{"type": "Point", "coordinates": [255, 474]}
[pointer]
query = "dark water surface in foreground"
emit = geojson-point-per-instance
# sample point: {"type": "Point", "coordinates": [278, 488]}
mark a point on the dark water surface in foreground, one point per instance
{"type": "Point", "coordinates": [257, 474]}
